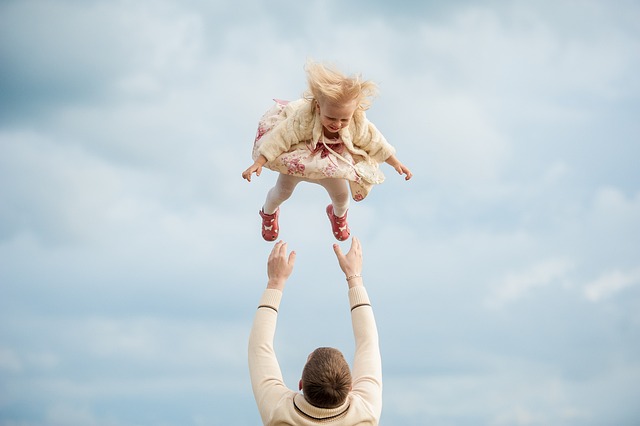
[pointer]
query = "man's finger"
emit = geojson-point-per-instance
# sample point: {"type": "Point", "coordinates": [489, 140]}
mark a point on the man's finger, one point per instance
{"type": "Point", "coordinates": [337, 250]}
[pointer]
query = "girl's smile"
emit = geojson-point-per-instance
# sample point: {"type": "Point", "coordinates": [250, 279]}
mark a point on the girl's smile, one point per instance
{"type": "Point", "coordinates": [335, 116]}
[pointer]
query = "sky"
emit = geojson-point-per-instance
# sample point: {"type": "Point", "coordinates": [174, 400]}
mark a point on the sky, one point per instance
{"type": "Point", "coordinates": [505, 276]}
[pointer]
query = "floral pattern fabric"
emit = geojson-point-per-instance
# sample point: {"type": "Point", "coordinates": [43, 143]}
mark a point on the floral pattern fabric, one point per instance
{"type": "Point", "coordinates": [313, 163]}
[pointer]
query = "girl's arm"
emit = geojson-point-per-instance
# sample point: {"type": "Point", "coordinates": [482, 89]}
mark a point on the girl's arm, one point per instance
{"type": "Point", "coordinates": [291, 130]}
{"type": "Point", "coordinates": [376, 146]}
{"type": "Point", "coordinates": [400, 168]}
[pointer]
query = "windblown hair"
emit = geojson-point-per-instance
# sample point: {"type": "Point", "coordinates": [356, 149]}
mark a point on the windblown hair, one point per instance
{"type": "Point", "coordinates": [326, 83]}
{"type": "Point", "coordinates": [326, 378]}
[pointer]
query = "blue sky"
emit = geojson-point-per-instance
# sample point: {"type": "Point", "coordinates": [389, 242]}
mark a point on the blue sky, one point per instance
{"type": "Point", "coordinates": [505, 275]}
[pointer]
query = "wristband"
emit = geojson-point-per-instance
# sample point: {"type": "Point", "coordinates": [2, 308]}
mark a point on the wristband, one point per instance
{"type": "Point", "coordinates": [350, 277]}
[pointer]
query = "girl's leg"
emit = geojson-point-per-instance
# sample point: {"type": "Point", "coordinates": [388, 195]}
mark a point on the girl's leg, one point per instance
{"type": "Point", "coordinates": [280, 192]}
{"type": "Point", "coordinates": [337, 210]}
{"type": "Point", "coordinates": [339, 194]}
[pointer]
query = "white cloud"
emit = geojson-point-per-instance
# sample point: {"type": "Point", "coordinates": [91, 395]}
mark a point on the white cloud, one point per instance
{"type": "Point", "coordinates": [125, 213]}
{"type": "Point", "coordinates": [609, 284]}
{"type": "Point", "coordinates": [517, 285]}
{"type": "Point", "coordinates": [613, 205]}
{"type": "Point", "coordinates": [432, 398]}
{"type": "Point", "coordinates": [461, 144]}
{"type": "Point", "coordinates": [167, 342]}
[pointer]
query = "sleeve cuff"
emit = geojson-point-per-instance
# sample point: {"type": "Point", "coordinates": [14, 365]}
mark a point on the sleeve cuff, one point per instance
{"type": "Point", "coordinates": [266, 155]}
{"type": "Point", "coordinates": [271, 298]}
{"type": "Point", "coordinates": [358, 296]}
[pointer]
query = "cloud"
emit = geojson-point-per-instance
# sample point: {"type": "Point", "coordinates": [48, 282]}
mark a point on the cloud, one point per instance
{"type": "Point", "coordinates": [130, 253]}
{"type": "Point", "coordinates": [515, 286]}
{"type": "Point", "coordinates": [71, 416]}
{"type": "Point", "coordinates": [610, 284]}
{"type": "Point", "coordinates": [82, 52]}
{"type": "Point", "coordinates": [9, 361]}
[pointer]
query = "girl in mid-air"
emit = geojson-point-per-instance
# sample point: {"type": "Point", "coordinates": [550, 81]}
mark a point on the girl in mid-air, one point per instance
{"type": "Point", "coordinates": [323, 138]}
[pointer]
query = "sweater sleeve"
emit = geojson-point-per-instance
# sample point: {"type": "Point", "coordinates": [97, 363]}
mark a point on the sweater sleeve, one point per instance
{"type": "Point", "coordinates": [364, 138]}
{"type": "Point", "coordinates": [266, 378]}
{"type": "Point", "coordinates": [367, 363]}
{"type": "Point", "coordinates": [371, 140]}
{"type": "Point", "coordinates": [295, 127]}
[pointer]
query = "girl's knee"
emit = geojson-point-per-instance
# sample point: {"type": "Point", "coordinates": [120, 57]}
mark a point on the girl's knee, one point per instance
{"type": "Point", "coordinates": [284, 191]}
{"type": "Point", "coordinates": [341, 196]}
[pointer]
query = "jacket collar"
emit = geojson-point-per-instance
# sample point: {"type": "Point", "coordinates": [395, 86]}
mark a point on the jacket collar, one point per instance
{"type": "Point", "coordinates": [305, 409]}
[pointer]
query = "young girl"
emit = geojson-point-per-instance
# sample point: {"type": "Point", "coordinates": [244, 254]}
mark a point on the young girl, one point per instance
{"type": "Point", "coordinates": [324, 138]}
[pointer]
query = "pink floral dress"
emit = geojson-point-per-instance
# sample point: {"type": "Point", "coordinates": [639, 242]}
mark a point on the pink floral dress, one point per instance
{"type": "Point", "coordinates": [309, 162]}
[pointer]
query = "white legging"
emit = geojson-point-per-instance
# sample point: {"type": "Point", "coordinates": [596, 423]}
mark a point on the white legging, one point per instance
{"type": "Point", "coordinates": [337, 189]}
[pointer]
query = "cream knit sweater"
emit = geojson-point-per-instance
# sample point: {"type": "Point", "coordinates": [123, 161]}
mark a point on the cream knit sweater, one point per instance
{"type": "Point", "coordinates": [300, 123]}
{"type": "Point", "coordinates": [279, 405]}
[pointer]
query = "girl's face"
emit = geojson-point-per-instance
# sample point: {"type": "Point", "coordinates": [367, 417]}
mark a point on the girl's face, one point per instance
{"type": "Point", "coordinates": [335, 116]}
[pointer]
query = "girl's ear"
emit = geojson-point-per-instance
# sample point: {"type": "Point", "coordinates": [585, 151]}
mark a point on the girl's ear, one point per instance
{"type": "Point", "coordinates": [300, 385]}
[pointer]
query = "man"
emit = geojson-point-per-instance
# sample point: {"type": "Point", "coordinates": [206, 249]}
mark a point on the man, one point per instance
{"type": "Point", "coordinates": [330, 393]}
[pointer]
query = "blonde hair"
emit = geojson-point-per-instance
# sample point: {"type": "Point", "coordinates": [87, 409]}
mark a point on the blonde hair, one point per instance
{"type": "Point", "coordinates": [326, 83]}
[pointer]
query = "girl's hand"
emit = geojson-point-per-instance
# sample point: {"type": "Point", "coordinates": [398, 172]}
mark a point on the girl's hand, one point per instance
{"type": "Point", "coordinates": [256, 168]}
{"type": "Point", "coordinates": [402, 170]}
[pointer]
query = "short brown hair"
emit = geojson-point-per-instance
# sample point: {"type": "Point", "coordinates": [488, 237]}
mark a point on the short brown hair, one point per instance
{"type": "Point", "coordinates": [326, 378]}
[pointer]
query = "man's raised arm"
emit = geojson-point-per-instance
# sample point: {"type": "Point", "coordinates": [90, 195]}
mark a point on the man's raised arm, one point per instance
{"type": "Point", "coordinates": [266, 377]}
{"type": "Point", "coordinates": [367, 363]}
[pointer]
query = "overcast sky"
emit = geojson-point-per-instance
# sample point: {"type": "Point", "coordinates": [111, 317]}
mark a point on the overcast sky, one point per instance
{"type": "Point", "coordinates": [505, 276]}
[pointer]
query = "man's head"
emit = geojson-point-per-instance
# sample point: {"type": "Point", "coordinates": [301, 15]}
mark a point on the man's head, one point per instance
{"type": "Point", "coordinates": [326, 378]}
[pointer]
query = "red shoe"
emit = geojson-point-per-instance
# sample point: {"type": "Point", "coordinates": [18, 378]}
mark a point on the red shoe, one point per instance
{"type": "Point", "coordinates": [339, 225]}
{"type": "Point", "coordinates": [270, 225]}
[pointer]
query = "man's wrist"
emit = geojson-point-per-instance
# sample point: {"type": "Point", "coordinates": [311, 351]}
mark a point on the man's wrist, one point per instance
{"type": "Point", "coordinates": [354, 280]}
{"type": "Point", "coordinates": [276, 284]}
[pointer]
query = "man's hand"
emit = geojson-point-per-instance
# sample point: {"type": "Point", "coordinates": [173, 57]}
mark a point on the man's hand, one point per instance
{"type": "Point", "coordinates": [351, 263]}
{"type": "Point", "coordinates": [279, 266]}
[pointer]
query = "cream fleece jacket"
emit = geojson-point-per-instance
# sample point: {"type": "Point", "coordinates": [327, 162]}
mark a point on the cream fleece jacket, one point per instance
{"type": "Point", "coordinates": [279, 405]}
{"type": "Point", "coordinates": [301, 123]}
